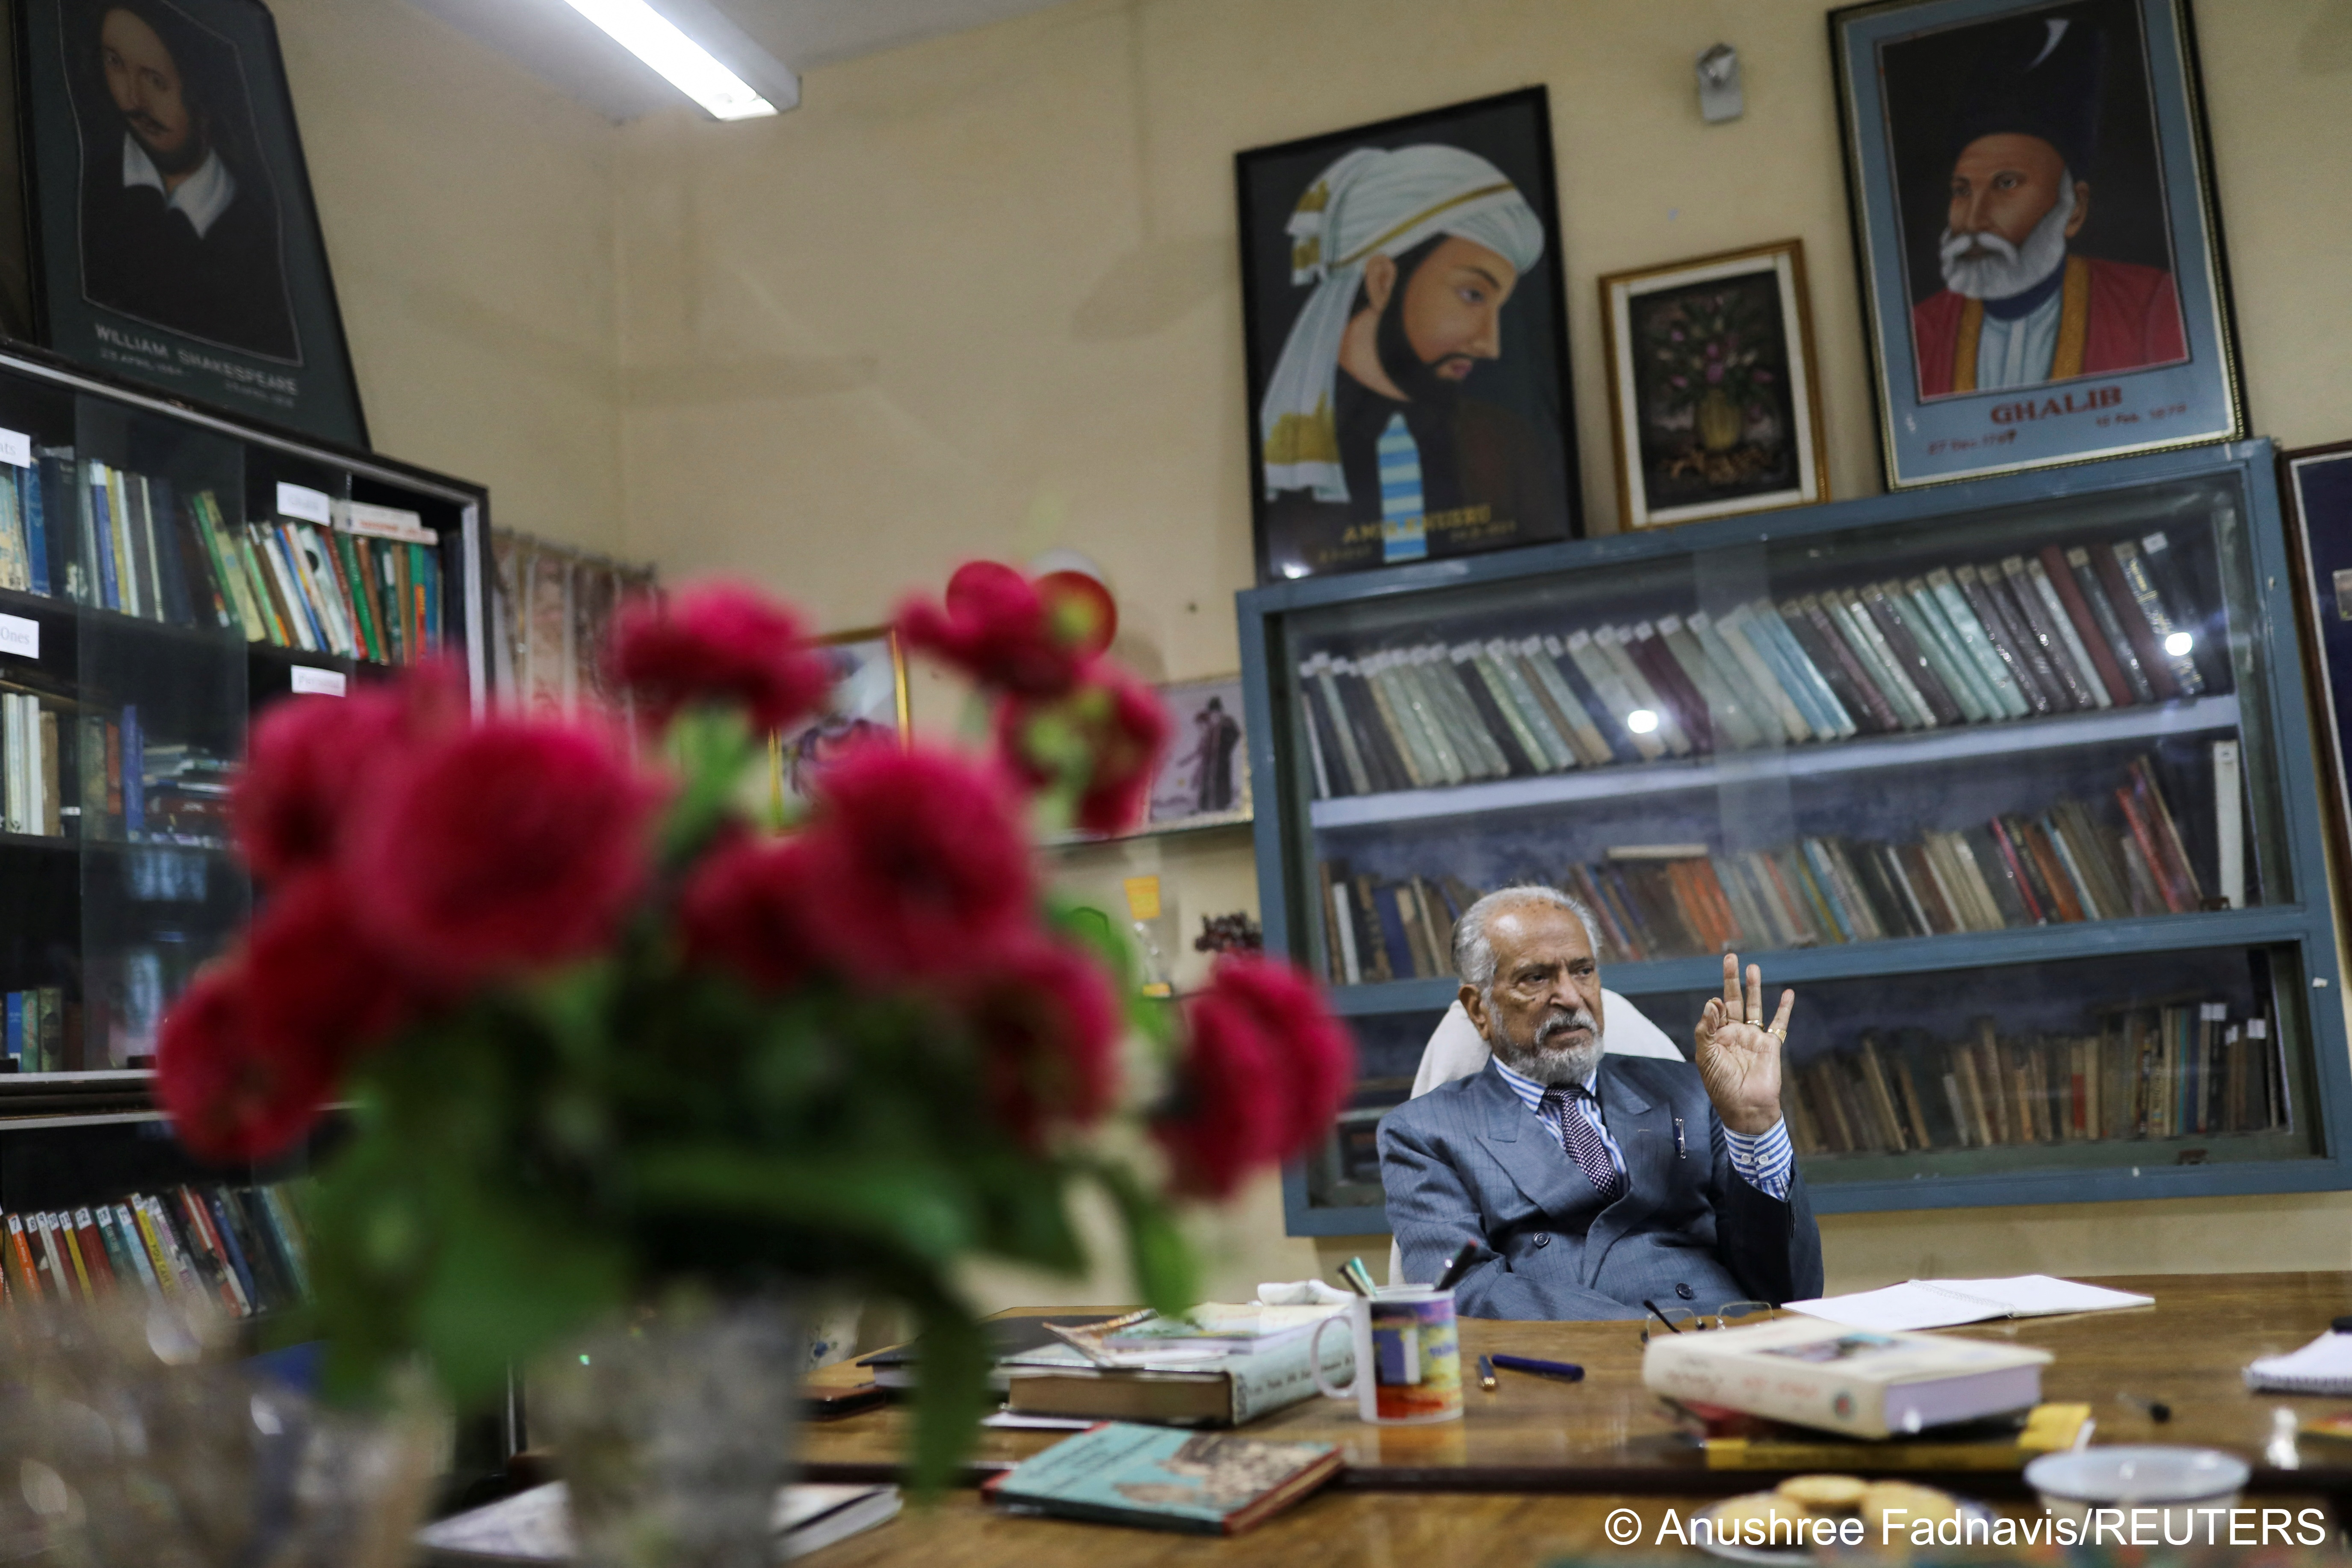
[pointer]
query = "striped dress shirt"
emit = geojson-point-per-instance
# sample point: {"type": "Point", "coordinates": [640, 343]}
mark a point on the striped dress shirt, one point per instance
{"type": "Point", "coordinates": [1764, 1161]}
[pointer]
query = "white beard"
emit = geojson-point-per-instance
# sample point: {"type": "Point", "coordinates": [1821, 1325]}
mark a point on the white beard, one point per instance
{"type": "Point", "coordinates": [1553, 1066]}
{"type": "Point", "coordinates": [2011, 270]}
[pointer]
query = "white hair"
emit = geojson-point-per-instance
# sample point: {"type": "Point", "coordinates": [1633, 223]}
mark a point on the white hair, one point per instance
{"type": "Point", "coordinates": [1474, 945]}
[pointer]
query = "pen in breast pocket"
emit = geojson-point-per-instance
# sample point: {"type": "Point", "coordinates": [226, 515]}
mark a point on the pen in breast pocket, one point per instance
{"type": "Point", "coordinates": [1678, 1137]}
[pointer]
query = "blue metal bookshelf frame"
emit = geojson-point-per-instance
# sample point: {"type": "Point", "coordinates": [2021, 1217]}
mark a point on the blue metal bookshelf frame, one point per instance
{"type": "Point", "coordinates": [2306, 923]}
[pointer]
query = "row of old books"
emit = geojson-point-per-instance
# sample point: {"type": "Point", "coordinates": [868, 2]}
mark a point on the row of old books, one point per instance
{"type": "Point", "coordinates": [2183, 1070]}
{"type": "Point", "coordinates": [130, 786]}
{"type": "Point", "coordinates": [2078, 860]}
{"type": "Point", "coordinates": [241, 1249]}
{"type": "Point", "coordinates": [2073, 629]}
{"type": "Point", "coordinates": [366, 585]}
{"type": "Point", "coordinates": [30, 801]}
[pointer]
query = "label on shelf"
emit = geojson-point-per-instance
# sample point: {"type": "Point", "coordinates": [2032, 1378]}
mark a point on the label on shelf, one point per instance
{"type": "Point", "coordinates": [388, 522]}
{"type": "Point", "coordinates": [304, 504]}
{"type": "Point", "coordinates": [320, 682]}
{"type": "Point", "coordinates": [20, 636]}
{"type": "Point", "coordinates": [15, 447]}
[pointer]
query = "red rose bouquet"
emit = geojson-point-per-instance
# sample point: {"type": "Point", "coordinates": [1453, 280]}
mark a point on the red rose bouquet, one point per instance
{"type": "Point", "coordinates": [604, 1032]}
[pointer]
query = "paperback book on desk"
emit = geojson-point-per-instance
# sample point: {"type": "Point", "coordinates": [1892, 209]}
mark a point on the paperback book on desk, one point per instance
{"type": "Point", "coordinates": [1195, 1482]}
{"type": "Point", "coordinates": [1838, 1379]}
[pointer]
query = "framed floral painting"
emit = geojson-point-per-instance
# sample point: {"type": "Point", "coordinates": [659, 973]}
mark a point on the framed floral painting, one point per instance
{"type": "Point", "coordinates": [1713, 404]}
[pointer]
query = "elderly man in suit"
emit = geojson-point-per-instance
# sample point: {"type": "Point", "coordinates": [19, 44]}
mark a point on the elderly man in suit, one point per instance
{"type": "Point", "coordinates": [1596, 1183]}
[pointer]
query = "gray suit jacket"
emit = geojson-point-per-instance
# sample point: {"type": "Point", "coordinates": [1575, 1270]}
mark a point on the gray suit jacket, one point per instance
{"type": "Point", "coordinates": [1468, 1160]}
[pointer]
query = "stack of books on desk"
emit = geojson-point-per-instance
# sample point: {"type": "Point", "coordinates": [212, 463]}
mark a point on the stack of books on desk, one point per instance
{"type": "Point", "coordinates": [1216, 1365]}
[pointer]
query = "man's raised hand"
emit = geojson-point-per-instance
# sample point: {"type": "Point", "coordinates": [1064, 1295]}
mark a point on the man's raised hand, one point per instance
{"type": "Point", "coordinates": [1740, 1054]}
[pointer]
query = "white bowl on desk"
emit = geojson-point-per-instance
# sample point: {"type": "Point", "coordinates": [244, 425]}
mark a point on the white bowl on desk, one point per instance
{"type": "Point", "coordinates": [2175, 1481]}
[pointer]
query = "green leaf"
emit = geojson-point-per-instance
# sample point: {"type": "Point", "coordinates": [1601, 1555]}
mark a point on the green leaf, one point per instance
{"type": "Point", "coordinates": [950, 1392]}
{"type": "Point", "coordinates": [508, 1280]}
{"type": "Point", "coordinates": [906, 1205]}
{"type": "Point", "coordinates": [713, 749]}
{"type": "Point", "coordinates": [1167, 1275]}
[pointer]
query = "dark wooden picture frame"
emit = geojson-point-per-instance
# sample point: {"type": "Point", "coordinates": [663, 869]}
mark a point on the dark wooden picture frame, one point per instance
{"type": "Point", "coordinates": [1714, 400]}
{"type": "Point", "coordinates": [2034, 225]}
{"type": "Point", "coordinates": [1424, 252]}
{"type": "Point", "coordinates": [173, 237]}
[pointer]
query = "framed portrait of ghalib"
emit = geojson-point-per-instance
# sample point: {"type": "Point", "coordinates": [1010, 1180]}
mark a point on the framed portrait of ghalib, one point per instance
{"type": "Point", "coordinates": [175, 241]}
{"type": "Point", "coordinates": [1406, 344]}
{"type": "Point", "coordinates": [2040, 255]}
{"type": "Point", "coordinates": [1713, 403]}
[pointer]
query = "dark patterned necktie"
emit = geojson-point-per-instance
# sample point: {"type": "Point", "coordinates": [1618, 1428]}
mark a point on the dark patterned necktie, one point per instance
{"type": "Point", "coordinates": [1582, 1139]}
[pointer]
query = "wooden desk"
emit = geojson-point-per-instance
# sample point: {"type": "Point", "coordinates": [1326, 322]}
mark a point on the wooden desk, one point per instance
{"type": "Point", "coordinates": [1331, 1530]}
{"type": "Point", "coordinates": [1608, 1435]}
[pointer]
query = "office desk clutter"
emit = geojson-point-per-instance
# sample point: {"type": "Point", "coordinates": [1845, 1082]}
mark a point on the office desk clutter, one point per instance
{"type": "Point", "coordinates": [1856, 1381]}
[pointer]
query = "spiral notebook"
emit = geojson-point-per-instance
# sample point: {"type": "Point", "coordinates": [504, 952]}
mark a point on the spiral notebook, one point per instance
{"type": "Point", "coordinates": [2322, 1366]}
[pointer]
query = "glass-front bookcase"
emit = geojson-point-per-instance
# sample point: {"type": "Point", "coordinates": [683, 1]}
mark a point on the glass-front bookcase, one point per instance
{"type": "Point", "coordinates": [2011, 781]}
{"type": "Point", "coordinates": [164, 574]}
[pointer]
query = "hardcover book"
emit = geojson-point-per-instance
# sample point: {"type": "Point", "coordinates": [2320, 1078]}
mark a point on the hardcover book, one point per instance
{"type": "Point", "coordinates": [1839, 1379]}
{"type": "Point", "coordinates": [1162, 1479]}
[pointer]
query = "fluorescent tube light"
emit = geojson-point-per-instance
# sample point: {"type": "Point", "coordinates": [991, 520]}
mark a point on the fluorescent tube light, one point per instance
{"type": "Point", "coordinates": [656, 40]}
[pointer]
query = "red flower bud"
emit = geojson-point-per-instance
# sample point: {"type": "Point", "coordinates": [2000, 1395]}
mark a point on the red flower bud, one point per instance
{"type": "Point", "coordinates": [307, 757]}
{"type": "Point", "coordinates": [1264, 1073]}
{"type": "Point", "coordinates": [1047, 1024]}
{"type": "Point", "coordinates": [916, 864]}
{"type": "Point", "coordinates": [1106, 736]}
{"type": "Point", "coordinates": [1000, 630]}
{"type": "Point", "coordinates": [507, 846]}
{"type": "Point", "coordinates": [230, 1096]}
{"type": "Point", "coordinates": [744, 908]}
{"type": "Point", "coordinates": [719, 643]}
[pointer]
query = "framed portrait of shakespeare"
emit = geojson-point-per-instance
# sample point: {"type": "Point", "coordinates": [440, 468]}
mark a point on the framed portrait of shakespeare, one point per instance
{"type": "Point", "coordinates": [867, 702]}
{"type": "Point", "coordinates": [2317, 482]}
{"type": "Point", "coordinates": [1204, 777]}
{"type": "Point", "coordinates": [174, 238]}
{"type": "Point", "coordinates": [1712, 404]}
{"type": "Point", "coordinates": [2034, 226]}
{"type": "Point", "coordinates": [1406, 344]}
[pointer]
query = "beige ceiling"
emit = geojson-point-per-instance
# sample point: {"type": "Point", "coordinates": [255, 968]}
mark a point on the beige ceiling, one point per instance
{"type": "Point", "coordinates": [557, 45]}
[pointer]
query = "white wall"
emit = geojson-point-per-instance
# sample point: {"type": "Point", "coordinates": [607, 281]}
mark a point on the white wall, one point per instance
{"type": "Point", "coordinates": [468, 216]}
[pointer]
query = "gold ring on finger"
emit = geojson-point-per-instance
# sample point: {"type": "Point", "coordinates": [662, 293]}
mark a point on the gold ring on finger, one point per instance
{"type": "Point", "coordinates": [1779, 1034]}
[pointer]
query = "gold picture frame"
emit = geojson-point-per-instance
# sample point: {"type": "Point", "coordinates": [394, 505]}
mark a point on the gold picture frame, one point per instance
{"type": "Point", "coordinates": [1715, 401]}
{"type": "Point", "coordinates": [855, 701]}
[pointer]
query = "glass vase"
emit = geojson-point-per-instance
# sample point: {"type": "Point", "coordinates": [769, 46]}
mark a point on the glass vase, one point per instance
{"type": "Point", "coordinates": [674, 1432]}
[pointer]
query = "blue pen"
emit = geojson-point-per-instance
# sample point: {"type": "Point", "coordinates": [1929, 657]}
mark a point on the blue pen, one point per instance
{"type": "Point", "coordinates": [1558, 1371]}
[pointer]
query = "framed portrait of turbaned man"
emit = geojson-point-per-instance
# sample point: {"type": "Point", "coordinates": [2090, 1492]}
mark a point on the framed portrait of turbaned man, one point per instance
{"type": "Point", "coordinates": [1406, 341]}
{"type": "Point", "coordinates": [2042, 270]}
{"type": "Point", "coordinates": [174, 238]}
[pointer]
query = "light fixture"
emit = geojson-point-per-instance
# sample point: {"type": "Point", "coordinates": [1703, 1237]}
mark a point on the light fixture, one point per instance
{"type": "Point", "coordinates": [691, 69]}
{"type": "Point", "coordinates": [1641, 720]}
{"type": "Point", "coordinates": [2178, 644]}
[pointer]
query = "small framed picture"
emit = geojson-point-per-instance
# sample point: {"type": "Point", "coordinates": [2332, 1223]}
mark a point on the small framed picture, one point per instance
{"type": "Point", "coordinates": [2317, 482]}
{"type": "Point", "coordinates": [1712, 398]}
{"type": "Point", "coordinates": [176, 240]}
{"type": "Point", "coordinates": [1405, 341]}
{"type": "Point", "coordinates": [868, 701]}
{"type": "Point", "coordinates": [2032, 192]}
{"type": "Point", "coordinates": [1205, 777]}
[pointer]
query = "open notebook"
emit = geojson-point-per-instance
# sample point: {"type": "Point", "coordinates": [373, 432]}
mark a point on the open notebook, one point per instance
{"type": "Point", "coordinates": [1941, 1303]}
